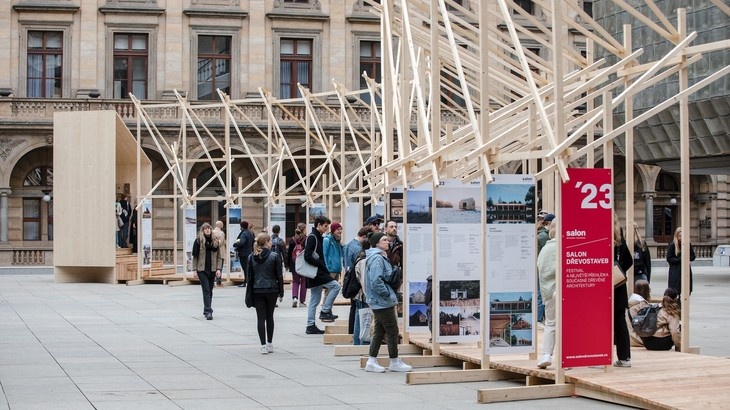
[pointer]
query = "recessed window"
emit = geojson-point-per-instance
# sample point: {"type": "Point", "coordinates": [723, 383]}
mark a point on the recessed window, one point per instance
{"type": "Point", "coordinates": [526, 5]}
{"type": "Point", "coordinates": [130, 65]}
{"type": "Point", "coordinates": [295, 66]}
{"type": "Point", "coordinates": [45, 64]}
{"type": "Point", "coordinates": [214, 66]}
{"type": "Point", "coordinates": [369, 63]}
{"type": "Point", "coordinates": [588, 7]}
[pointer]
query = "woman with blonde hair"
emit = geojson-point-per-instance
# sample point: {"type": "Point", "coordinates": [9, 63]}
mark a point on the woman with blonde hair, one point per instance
{"type": "Point", "coordinates": [623, 259]}
{"type": "Point", "coordinates": [667, 325]}
{"type": "Point", "coordinates": [642, 257]}
{"type": "Point", "coordinates": [208, 262]}
{"type": "Point", "coordinates": [674, 258]}
{"type": "Point", "coordinates": [265, 283]}
{"type": "Point", "coordinates": [638, 300]}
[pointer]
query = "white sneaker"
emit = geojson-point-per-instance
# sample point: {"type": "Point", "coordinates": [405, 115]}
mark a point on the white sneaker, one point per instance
{"type": "Point", "coordinates": [294, 303]}
{"type": "Point", "coordinates": [374, 367]}
{"type": "Point", "coordinates": [264, 350]}
{"type": "Point", "coordinates": [269, 348]}
{"type": "Point", "coordinates": [622, 363]}
{"type": "Point", "coordinates": [397, 365]}
{"type": "Point", "coordinates": [544, 362]}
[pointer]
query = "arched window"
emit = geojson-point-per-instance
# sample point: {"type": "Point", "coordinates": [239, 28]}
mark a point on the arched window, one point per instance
{"type": "Point", "coordinates": [665, 214]}
{"type": "Point", "coordinates": [37, 212]}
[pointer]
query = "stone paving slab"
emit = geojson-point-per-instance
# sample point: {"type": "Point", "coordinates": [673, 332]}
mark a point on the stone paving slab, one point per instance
{"type": "Point", "coordinates": [84, 346]}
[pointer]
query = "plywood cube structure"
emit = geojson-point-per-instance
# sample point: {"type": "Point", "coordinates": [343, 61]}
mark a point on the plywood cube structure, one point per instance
{"type": "Point", "coordinates": [93, 153]}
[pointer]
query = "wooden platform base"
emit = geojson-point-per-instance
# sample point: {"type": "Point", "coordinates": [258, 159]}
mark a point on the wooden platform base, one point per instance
{"type": "Point", "coordinates": [661, 380]}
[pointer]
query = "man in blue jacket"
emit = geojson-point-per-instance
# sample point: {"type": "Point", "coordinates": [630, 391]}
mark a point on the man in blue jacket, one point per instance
{"type": "Point", "coordinates": [313, 246]}
{"type": "Point", "coordinates": [333, 250]}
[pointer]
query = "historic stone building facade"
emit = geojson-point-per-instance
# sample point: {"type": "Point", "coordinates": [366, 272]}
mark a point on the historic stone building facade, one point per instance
{"type": "Point", "coordinates": [76, 55]}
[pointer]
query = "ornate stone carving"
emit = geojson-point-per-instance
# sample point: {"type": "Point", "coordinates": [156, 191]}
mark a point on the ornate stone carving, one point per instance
{"type": "Point", "coordinates": [312, 5]}
{"type": "Point", "coordinates": [7, 145]}
{"type": "Point", "coordinates": [224, 3]}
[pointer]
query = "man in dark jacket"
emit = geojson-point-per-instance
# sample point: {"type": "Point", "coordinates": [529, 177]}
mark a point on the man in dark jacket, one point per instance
{"type": "Point", "coordinates": [314, 245]}
{"type": "Point", "coordinates": [244, 248]}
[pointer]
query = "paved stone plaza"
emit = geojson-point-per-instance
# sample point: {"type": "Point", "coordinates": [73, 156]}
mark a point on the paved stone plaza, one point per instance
{"type": "Point", "coordinates": [86, 346]}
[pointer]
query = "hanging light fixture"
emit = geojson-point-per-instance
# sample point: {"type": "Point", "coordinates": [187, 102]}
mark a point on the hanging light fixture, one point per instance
{"type": "Point", "coordinates": [46, 195]}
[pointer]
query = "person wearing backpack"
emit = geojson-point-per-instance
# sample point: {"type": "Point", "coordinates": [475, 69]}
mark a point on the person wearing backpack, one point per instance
{"type": "Point", "coordinates": [637, 301]}
{"type": "Point", "coordinates": [350, 283]}
{"type": "Point", "coordinates": [382, 299]}
{"type": "Point", "coordinates": [298, 282]}
{"type": "Point", "coordinates": [277, 244]}
{"type": "Point", "coordinates": [314, 255]}
{"type": "Point", "coordinates": [668, 330]}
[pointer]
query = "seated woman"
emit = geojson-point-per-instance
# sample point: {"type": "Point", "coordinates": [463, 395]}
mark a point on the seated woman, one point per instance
{"type": "Point", "coordinates": [667, 333]}
{"type": "Point", "coordinates": [639, 299]}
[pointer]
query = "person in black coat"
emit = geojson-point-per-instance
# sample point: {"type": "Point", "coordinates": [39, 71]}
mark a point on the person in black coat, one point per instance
{"type": "Point", "coordinates": [642, 257]}
{"type": "Point", "coordinates": [624, 259]}
{"type": "Point", "coordinates": [674, 258]}
{"type": "Point", "coordinates": [244, 247]}
{"type": "Point", "coordinates": [265, 283]}
{"type": "Point", "coordinates": [313, 245]}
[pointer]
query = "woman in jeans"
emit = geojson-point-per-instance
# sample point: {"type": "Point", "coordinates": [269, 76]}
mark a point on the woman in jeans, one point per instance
{"type": "Point", "coordinates": [382, 300]}
{"type": "Point", "coordinates": [265, 284]}
{"type": "Point", "coordinates": [208, 262]}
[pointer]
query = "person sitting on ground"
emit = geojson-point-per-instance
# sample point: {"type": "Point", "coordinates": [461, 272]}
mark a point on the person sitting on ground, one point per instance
{"type": "Point", "coordinates": [667, 325]}
{"type": "Point", "coordinates": [638, 300]}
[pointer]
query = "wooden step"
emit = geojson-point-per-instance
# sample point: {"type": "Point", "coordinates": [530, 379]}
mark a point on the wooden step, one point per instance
{"type": "Point", "coordinates": [161, 271]}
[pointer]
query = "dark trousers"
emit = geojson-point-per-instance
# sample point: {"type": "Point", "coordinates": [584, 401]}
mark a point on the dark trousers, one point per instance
{"type": "Point", "coordinates": [386, 325]}
{"type": "Point", "coordinates": [658, 343]}
{"type": "Point", "coordinates": [264, 304]}
{"type": "Point", "coordinates": [621, 334]}
{"type": "Point", "coordinates": [125, 235]}
{"type": "Point", "coordinates": [351, 318]}
{"type": "Point", "coordinates": [206, 284]}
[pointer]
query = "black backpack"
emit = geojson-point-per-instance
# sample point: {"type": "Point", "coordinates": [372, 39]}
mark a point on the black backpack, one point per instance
{"type": "Point", "coordinates": [645, 321]}
{"type": "Point", "coordinates": [350, 285]}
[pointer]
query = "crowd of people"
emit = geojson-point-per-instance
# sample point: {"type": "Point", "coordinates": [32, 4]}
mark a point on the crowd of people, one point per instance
{"type": "Point", "coordinates": [375, 257]}
{"type": "Point", "coordinates": [667, 334]}
{"type": "Point", "coordinates": [264, 257]}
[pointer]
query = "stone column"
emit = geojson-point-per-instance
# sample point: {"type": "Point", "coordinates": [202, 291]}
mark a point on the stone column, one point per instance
{"type": "Point", "coordinates": [649, 212]}
{"type": "Point", "coordinates": [4, 193]}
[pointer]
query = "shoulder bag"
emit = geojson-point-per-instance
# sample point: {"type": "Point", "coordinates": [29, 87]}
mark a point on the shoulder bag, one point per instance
{"type": "Point", "coordinates": [303, 267]}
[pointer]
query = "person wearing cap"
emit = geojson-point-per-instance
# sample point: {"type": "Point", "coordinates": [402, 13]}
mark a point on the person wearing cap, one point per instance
{"type": "Point", "coordinates": [314, 244]}
{"type": "Point", "coordinates": [382, 299]}
{"type": "Point", "coordinates": [374, 222]}
{"type": "Point", "coordinates": [333, 250]}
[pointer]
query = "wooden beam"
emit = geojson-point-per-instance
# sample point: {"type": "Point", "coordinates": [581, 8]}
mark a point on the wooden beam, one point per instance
{"type": "Point", "coordinates": [459, 376]}
{"type": "Point", "coordinates": [524, 393]}
{"type": "Point", "coordinates": [418, 361]}
{"type": "Point", "coordinates": [360, 350]}
{"type": "Point", "coordinates": [335, 339]}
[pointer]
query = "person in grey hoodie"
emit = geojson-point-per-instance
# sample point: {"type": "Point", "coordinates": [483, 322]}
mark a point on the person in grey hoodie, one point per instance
{"type": "Point", "coordinates": [382, 299]}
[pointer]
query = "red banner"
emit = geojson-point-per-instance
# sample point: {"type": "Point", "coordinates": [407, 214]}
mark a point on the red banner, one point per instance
{"type": "Point", "coordinates": [587, 257]}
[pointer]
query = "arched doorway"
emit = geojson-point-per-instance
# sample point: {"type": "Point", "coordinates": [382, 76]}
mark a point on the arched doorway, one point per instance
{"type": "Point", "coordinates": [32, 185]}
